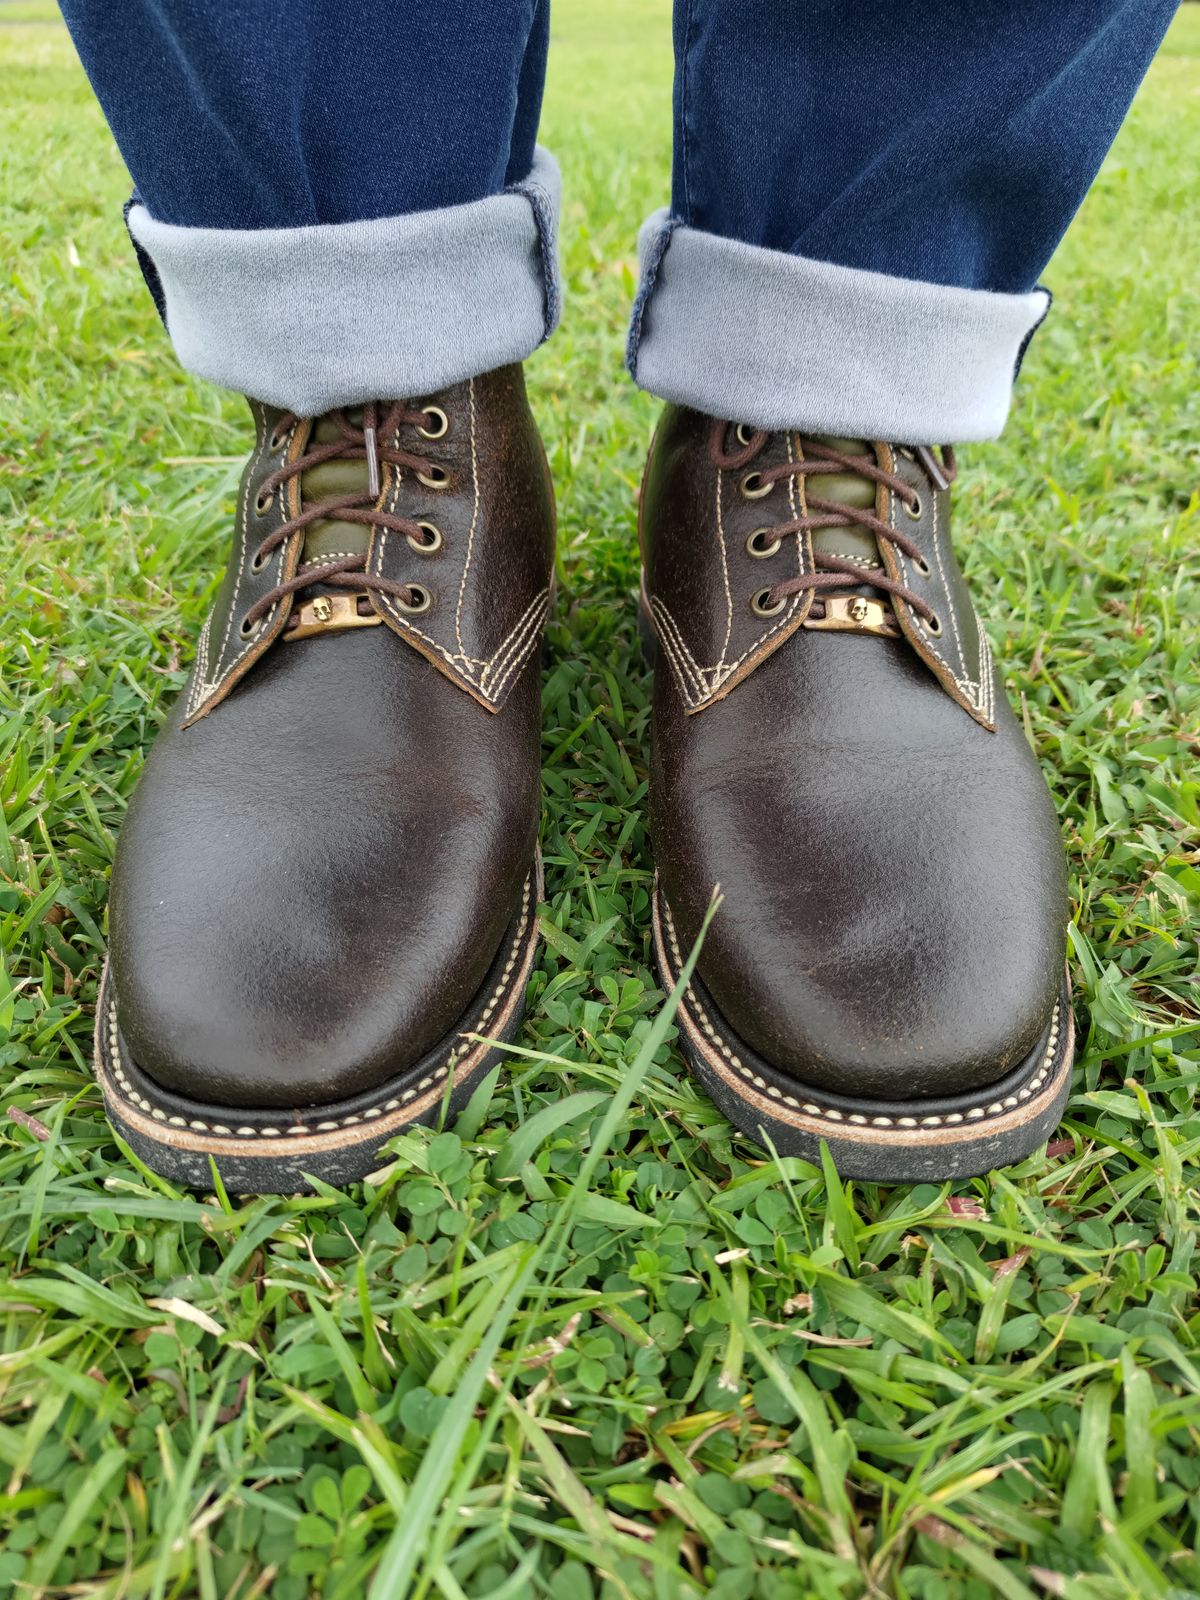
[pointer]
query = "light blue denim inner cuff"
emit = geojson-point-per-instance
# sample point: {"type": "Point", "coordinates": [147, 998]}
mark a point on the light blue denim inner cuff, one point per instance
{"type": "Point", "coordinates": [398, 307]}
{"type": "Point", "coordinates": [782, 341]}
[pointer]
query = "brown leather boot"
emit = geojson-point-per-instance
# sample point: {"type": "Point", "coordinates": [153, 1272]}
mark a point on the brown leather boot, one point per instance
{"type": "Point", "coordinates": [832, 748]}
{"type": "Point", "coordinates": [327, 879]}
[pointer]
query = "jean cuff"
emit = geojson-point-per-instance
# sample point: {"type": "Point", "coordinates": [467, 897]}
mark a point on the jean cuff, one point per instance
{"type": "Point", "coordinates": [781, 341]}
{"type": "Point", "coordinates": [396, 307]}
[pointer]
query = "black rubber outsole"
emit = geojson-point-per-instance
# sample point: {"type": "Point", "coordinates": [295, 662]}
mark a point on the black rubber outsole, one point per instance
{"type": "Point", "coordinates": [277, 1151]}
{"type": "Point", "coordinates": [925, 1141]}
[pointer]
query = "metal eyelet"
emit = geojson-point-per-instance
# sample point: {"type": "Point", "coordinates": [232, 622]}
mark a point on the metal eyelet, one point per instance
{"type": "Point", "coordinates": [432, 542]}
{"type": "Point", "coordinates": [248, 629]}
{"type": "Point", "coordinates": [932, 626]}
{"type": "Point", "coordinates": [421, 600]}
{"type": "Point", "coordinates": [262, 502]}
{"type": "Point", "coordinates": [759, 547]}
{"type": "Point", "coordinates": [278, 438]}
{"type": "Point", "coordinates": [743, 433]}
{"type": "Point", "coordinates": [441, 423]}
{"type": "Point", "coordinates": [914, 510]}
{"type": "Point", "coordinates": [436, 478]}
{"type": "Point", "coordinates": [763, 606]}
{"type": "Point", "coordinates": [922, 566]}
{"type": "Point", "coordinates": [753, 487]}
{"type": "Point", "coordinates": [258, 561]}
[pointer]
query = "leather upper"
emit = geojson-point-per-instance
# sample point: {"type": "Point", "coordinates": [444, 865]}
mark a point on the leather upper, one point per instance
{"type": "Point", "coordinates": [491, 585]}
{"type": "Point", "coordinates": [893, 881]}
{"type": "Point", "coordinates": [332, 834]}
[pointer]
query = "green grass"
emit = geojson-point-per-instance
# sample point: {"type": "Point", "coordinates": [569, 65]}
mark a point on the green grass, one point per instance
{"type": "Point", "coordinates": [673, 1367]}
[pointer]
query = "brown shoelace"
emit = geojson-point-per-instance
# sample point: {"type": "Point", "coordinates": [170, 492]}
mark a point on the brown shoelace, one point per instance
{"type": "Point", "coordinates": [822, 460]}
{"type": "Point", "coordinates": [355, 444]}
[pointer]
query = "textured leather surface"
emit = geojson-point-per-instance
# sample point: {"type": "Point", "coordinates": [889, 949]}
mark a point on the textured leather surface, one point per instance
{"type": "Point", "coordinates": [313, 879]}
{"type": "Point", "coordinates": [894, 886]}
{"type": "Point", "coordinates": [489, 581]}
{"type": "Point", "coordinates": [700, 586]}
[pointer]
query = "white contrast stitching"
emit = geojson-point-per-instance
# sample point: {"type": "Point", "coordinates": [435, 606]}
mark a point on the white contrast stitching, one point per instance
{"type": "Point", "coordinates": [198, 677]}
{"type": "Point", "coordinates": [476, 670]}
{"type": "Point", "coordinates": [328, 557]}
{"type": "Point", "coordinates": [711, 678]}
{"type": "Point", "coordinates": [972, 1114]}
{"type": "Point", "coordinates": [516, 649]}
{"type": "Point", "coordinates": [220, 674]}
{"type": "Point", "coordinates": [967, 687]}
{"type": "Point", "coordinates": [462, 588]}
{"type": "Point", "coordinates": [394, 1104]}
{"type": "Point", "coordinates": [856, 560]}
{"type": "Point", "coordinates": [679, 654]}
{"type": "Point", "coordinates": [953, 609]}
{"type": "Point", "coordinates": [724, 571]}
{"type": "Point", "coordinates": [722, 673]}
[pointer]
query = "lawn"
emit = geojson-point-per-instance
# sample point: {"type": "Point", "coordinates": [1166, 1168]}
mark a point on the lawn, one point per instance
{"type": "Point", "coordinates": [590, 1343]}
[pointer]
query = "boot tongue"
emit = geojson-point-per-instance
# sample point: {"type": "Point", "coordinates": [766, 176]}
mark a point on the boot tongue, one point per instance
{"type": "Point", "coordinates": [328, 536]}
{"type": "Point", "coordinates": [845, 489]}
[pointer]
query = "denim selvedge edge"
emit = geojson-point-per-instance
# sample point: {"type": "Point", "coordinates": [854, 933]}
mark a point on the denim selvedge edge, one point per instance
{"type": "Point", "coordinates": [780, 341]}
{"type": "Point", "coordinates": [398, 307]}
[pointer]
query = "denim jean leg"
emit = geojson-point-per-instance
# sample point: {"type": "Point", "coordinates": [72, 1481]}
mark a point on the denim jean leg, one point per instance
{"type": "Point", "coordinates": [863, 200]}
{"type": "Point", "coordinates": [333, 211]}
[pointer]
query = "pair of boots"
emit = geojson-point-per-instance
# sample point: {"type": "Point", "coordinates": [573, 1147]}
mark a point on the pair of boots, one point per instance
{"type": "Point", "coordinates": [323, 910]}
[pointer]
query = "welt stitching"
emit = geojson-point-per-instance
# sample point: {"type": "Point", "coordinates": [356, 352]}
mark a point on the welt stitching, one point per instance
{"type": "Point", "coordinates": [371, 1113]}
{"type": "Point", "coordinates": [949, 1118]}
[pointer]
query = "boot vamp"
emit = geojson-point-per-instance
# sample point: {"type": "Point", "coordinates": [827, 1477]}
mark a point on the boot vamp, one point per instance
{"type": "Point", "coordinates": [313, 881]}
{"type": "Point", "coordinates": [893, 879]}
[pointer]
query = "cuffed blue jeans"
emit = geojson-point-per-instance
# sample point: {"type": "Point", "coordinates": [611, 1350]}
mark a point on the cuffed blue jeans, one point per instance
{"type": "Point", "coordinates": [336, 204]}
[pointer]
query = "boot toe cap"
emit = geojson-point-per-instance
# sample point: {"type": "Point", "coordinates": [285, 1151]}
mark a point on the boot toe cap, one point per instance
{"type": "Point", "coordinates": [223, 1001]}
